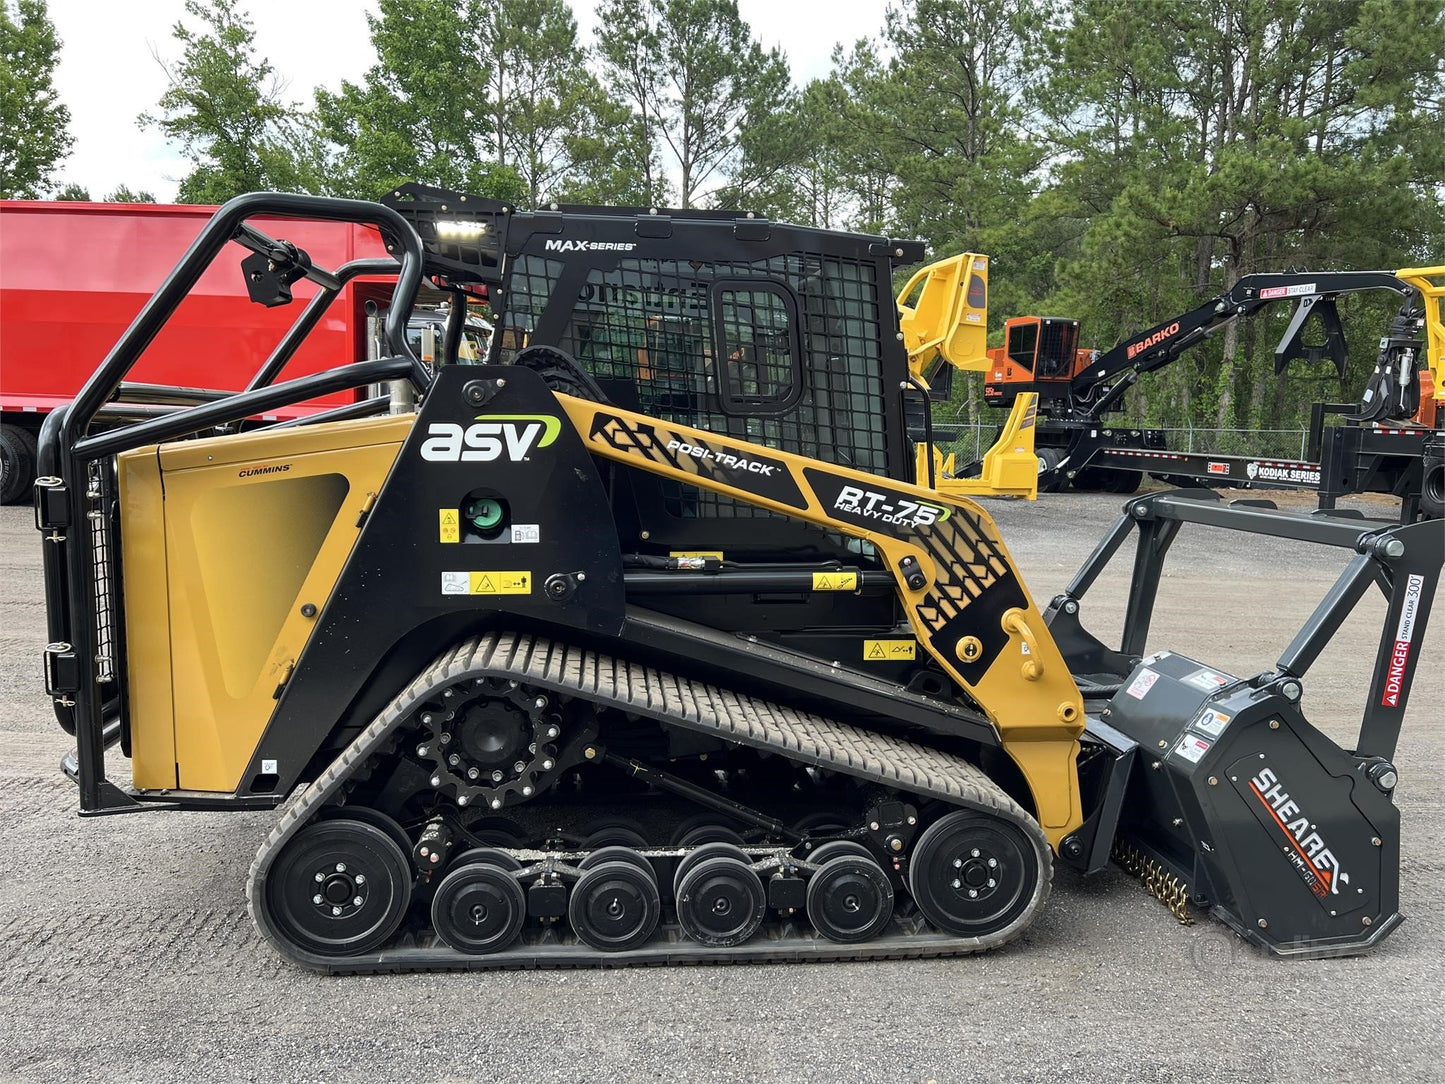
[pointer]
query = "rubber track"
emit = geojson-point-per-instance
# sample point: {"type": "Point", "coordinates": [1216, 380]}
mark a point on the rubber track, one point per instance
{"type": "Point", "coordinates": [675, 701]}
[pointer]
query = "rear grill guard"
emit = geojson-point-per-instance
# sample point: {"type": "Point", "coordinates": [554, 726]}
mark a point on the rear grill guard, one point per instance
{"type": "Point", "coordinates": [75, 497]}
{"type": "Point", "coordinates": [102, 571]}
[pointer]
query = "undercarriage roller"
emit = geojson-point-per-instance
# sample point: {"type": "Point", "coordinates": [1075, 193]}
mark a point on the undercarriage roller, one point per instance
{"type": "Point", "coordinates": [479, 907]}
{"type": "Point", "coordinates": [705, 833]}
{"type": "Point", "coordinates": [491, 856]}
{"type": "Point", "coordinates": [850, 899]}
{"type": "Point", "coordinates": [615, 854]}
{"type": "Point", "coordinates": [816, 826]}
{"type": "Point", "coordinates": [613, 832]}
{"type": "Point", "coordinates": [615, 906]}
{"type": "Point", "coordinates": [721, 901]}
{"type": "Point", "coordinates": [497, 832]}
{"type": "Point", "coordinates": [340, 888]}
{"type": "Point", "coordinates": [972, 874]}
{"type": "Point", "coordinates": [718, 849]}
{"type": "Point", "coordinates": [834, 848]}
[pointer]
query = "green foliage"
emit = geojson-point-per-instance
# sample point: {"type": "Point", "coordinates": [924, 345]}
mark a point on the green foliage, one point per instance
{"type": "Point", "coordinates": [552, 121]}
{"type": "Point", "coordinates": [695, 79]}
{"type": "Point", "coordinates": [420, 113]}
{"type": "Point", "coordinates": [224, 107]}
{"type": "Point", "coordinates": [125, 194]}
{"type": "Point", "coordinates": [1199, 144]}
{"type": "Point", "coordinates": [73, 193]}
{"type": "Point", "coordinates": [1120, 161]}
{"type": "Point", "coordinates": [33, 132]}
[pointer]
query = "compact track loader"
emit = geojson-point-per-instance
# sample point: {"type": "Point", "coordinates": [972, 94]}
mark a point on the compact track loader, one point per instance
{"type": "Point", "coordinates": [641, 642]}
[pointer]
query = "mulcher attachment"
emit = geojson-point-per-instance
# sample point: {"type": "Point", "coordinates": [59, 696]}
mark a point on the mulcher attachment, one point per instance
{"type": "Point", "coordinates": [1216, 790]}
{"type": "Point", "coordinates": [1239, 803]}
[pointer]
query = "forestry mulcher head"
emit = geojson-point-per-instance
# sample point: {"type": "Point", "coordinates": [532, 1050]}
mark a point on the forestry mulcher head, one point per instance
{"type": "Point", "coordinates": [642, 637]}
{"type": "Point", "coordinates": [1215, 789]}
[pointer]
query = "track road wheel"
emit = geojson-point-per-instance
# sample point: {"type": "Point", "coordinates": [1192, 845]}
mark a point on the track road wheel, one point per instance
{"type": "Point", "coordinates": [850, 899]}
{"type": "Point", "coordinates": [615, 906]}
{"type": "Point", "coordinates": [615, 854]}
{"type": "Point", "coordinates": [817, 826]}
{"type": "Point", "coordinates": [340, 888]}
{"type": "Point", "coordinates": [491, 856]}
{"type": "Point", "coordinates": [479, 907]}
{"type": "Point", "coordinates": [834, 848]}
{"type": "Point", "coordinates": [692, 832]}
{"type": "Point", "coordinates": [719, 849]}
{"type": "Point", "coordinates": [721, 902]}
{"type": "Point", "coordinates": [613, 832]}
{"type": "Point", "coordinates": [972, 874]}
{"type": "Point", "coordinates": [374, 817]}
{"type": "Point", "coordinates": [497, 832]}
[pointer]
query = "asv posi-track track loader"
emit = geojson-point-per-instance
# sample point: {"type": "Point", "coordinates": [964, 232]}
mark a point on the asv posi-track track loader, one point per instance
{"type": "Point", "coordinates": [640, 643]}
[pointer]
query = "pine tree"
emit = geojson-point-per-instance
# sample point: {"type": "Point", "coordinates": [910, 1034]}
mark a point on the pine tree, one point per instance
{"type": "Point", "coordinates": [34, 135]}
{"type": "Point", "coordinates": [696, 79]}
{"type": "Point", "coordinates": [225, 108]}
{"type": "Point", "coordinates": [421, 112]}
{"type": "Point", "coordinates": [550, 117]}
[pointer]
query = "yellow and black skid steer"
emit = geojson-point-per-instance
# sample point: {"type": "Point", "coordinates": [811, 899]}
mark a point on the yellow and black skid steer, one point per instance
{"type": "Point", "coordinates": [642, 643]}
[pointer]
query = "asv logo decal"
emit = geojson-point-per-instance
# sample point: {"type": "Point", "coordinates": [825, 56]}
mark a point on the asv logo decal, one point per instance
{"type": "Point", "coordinates": [512, 435]}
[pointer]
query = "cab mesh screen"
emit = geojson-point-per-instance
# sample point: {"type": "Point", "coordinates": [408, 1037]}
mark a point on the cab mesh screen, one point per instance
{"type": "Point", "coordinates": [649, 323]}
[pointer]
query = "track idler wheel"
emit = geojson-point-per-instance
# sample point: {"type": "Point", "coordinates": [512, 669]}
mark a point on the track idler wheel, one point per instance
{"type": "Point", "coordinates": [849, 899]}
{"type": "Point", "coordinates": [615, 905]}
{"type": "Point", "coordinates": [340, 888]}
{"type": "Point", "coordinates": [720, 901]}
{"type": "Point", "coordinates": [972, 874]}
{"type": "Point", "coordinates": [479, 907]}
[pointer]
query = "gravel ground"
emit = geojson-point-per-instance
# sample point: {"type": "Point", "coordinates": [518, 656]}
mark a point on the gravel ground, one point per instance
{"type": "Point", "coordinates": [128, 954]}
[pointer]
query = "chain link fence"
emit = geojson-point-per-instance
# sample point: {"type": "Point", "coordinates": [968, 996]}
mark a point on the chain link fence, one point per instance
{"type": "Point", "coordinates": [972, 439]}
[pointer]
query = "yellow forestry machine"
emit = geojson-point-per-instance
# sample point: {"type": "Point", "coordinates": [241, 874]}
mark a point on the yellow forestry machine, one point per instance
{"type": "Point", "coordinates": [648, 641]}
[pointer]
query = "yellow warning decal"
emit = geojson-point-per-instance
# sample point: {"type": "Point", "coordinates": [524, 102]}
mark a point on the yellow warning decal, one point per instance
{"type": "Point", "coordinates": [451, 527]}
{"type": "Point", "coordinates": [716, 555]}
{"type": "Point", "coordinates": [835, 581]}
{"type": "Point", "coordinates": [501, 583]}
{"type": "Point", "coordinates": [889, 650]}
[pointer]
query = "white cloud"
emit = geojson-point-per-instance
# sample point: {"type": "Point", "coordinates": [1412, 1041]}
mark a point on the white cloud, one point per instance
{"type": "Point", "coordinates": [108, 77]}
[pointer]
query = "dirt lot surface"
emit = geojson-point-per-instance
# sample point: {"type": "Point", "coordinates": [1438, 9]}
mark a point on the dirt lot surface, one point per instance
{"type": "Point", "coordinates": [127, 953]}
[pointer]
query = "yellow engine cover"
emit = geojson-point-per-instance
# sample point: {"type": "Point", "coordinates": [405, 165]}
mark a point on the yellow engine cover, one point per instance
{"type": "Point", "coordinates": [228, 544]}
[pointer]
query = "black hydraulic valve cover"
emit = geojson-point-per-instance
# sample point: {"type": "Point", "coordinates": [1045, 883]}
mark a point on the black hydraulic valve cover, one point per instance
{"type": "Point", "coordinates": [1283, 834]}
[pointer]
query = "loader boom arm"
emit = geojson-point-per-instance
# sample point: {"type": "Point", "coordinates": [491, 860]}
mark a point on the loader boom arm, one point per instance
{"type": "Point", "coordinates": [966, 602]}
{"type": "Point", "coordinates": [1163, 343]}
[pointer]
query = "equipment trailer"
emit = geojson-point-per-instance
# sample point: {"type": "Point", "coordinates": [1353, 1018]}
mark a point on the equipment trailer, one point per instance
{"type": "Point", "coordinates": [1393, 442]}
{"type": "Point", "coordinates": [507, 724]}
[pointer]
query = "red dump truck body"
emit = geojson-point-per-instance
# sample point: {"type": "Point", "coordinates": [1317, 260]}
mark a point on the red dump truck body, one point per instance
{"type": "Point", "coordinates": [74, 275]}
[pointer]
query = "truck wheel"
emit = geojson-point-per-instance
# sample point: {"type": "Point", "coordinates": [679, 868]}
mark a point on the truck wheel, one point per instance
{"type": "Point", "coordinates": [17, 463]}
{"type": "Point", "coordinates": [1093, 480]}
{"type": "Point", "coordinates": [1049, 480]}
{"type": "Point", "coordinates": [1124, 481]}
{"type": "Point", "coordinates": [1432, 489]}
